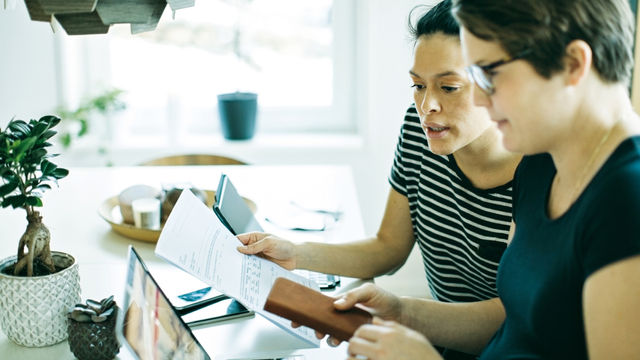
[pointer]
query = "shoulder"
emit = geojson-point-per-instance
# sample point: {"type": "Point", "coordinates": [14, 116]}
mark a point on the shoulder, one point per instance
{"type": "Point", "coordinates": [610, 208]}
{"type": "Point", "coordinates": [619, 178]}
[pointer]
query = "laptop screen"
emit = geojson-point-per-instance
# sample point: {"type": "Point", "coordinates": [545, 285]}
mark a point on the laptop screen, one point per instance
{"type": "Point", "coordinates": [149, 325]}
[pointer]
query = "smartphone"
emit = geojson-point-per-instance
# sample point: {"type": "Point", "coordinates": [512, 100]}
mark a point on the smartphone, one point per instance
{"type": "Point", "coordinates": [231, 209]}
{"type": "Point", "coordinates": [223, 310]}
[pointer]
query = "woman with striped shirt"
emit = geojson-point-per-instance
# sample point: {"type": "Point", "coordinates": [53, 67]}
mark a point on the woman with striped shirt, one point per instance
{"type": "Point", "coordinates": [450, 185]}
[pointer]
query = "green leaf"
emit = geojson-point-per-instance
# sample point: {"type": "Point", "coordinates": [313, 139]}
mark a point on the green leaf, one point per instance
{"type": "Point", "coordinates": [39, 128]}
{"type": "Point", "coordinates": [30, 168]}
{"type": "Point", "coordinates": [44, 187]}
{"type": "Point", "coordinates": [47, 167]}
{"type": "Point", "coordinates": [15, 201]}
{"type": "Point", "coordinates": [7, 188]}
{"type": "Point", "coordinates": [50, 120]}
{"type": "Point", "coordinates": [65, 140]}
{"type": "Point", "coordinates": [6, 173]}
{"type": "Point", "coordinates": [84, 127]}
{"type": "Point", "coordinates": [22, 146]}
{"type": "Point", "coordinates": [47, 135]}
{"type": "Point", "coordinates": [19, 127]}
{"type": "Point", "coordinates": [59, 173]}
{"type": "Point", "coordinates": [34, 201]}
{"type": "Point", "coordinates": [36, 155]}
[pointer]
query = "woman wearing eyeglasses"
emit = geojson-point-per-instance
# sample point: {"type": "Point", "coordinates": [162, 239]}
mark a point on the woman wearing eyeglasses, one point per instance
{"type": "Point", "coordinates": [554, 77]}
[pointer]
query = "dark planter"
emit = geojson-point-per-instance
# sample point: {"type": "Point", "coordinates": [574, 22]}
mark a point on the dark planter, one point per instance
{"type": "Point", "coordinates": [94, 341]}
{"type": "Point", "coordinates": [238, 115]}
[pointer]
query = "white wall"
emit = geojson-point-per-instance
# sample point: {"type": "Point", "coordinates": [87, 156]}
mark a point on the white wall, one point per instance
{"type": "Point", "coordinates": [28, 88]}
{"type": "Point", "coordinates": [27, 66]}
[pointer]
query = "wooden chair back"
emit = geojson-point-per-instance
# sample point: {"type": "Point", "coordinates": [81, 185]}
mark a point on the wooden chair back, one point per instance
{"type": "Point", "coordinates": [193, 159]}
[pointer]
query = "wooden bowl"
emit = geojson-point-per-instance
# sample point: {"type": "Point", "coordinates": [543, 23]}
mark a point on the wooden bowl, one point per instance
{"type": "Point", "coordinates": [109, 210]}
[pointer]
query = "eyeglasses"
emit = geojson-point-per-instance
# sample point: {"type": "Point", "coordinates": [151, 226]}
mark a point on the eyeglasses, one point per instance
{"type": "Point", "coordinates": [481, 74]}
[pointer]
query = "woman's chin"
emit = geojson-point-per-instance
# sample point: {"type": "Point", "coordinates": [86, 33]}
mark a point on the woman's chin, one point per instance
{"type": "Point", "coordinates": [438, 148]}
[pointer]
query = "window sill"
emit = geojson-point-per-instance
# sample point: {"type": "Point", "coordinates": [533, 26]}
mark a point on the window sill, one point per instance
{"type": "Point", "coordinates": [274, 141]}
{"type": "Point", "coordinates": [261, 148]}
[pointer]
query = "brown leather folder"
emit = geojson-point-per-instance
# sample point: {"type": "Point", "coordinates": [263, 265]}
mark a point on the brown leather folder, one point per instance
{"type": "Point", "coordinates": [311, 308]}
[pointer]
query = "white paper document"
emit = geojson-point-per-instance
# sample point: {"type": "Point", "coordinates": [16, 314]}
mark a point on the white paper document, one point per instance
{"type": "Point", "coordinates": [194, 239]}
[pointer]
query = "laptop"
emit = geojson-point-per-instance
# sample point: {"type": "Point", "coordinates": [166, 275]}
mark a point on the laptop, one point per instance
{"type": "Point", "coordinates": [236, 216]}
{"type": "Point", "coordinates": [148, 325]}
{"type": "Point", "coordinates": [152, 329]}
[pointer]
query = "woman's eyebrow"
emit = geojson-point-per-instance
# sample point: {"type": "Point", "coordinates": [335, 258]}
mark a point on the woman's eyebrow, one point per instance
{"type": "Point", "coordinates": [439, 75]}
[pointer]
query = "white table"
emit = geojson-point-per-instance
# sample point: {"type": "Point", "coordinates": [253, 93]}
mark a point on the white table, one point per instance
{"type": "Point", "coordinates": [70, 212]}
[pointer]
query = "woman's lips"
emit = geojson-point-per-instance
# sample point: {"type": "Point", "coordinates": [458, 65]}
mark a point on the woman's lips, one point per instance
{"type": "Point", "coordinates": [436, 132]}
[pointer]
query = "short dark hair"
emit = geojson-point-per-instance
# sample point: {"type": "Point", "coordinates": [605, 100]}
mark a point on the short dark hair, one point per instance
{"type": "Point", "coordinates": [546, 27]}
{"type": "Point", "coordinates": [436, 19]}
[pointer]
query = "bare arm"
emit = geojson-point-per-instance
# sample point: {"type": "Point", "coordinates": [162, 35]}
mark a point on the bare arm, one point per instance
{"type": "Point", "coordinates": [466, 327]}
{"type": "Point", "coordinates": [367, 258]}
{"type": "Point", "coordinates": [362, 259]}
{"type": "Point", "coordinates": [611, 313]}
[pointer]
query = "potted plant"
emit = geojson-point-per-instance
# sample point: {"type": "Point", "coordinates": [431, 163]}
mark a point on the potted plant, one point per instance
{"type": "Point", "coordinates": [37, 286]}
{"type": "Point", "coordinates": [94, 112]}
{"type": "Point", "coordinates": [92, 330]}
{"type": "Point", "coordinates": [77, 121]}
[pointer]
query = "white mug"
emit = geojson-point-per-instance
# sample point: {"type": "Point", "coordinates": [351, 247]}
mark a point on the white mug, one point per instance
{"type": "Point", "coordinates": [146, 213]}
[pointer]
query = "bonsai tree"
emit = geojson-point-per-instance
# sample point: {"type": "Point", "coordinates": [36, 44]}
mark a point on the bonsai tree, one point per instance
{"type": "Point", "coordinates": [26, 173]}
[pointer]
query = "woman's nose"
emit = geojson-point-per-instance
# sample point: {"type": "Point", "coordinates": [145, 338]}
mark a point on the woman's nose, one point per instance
{"type": "Point", "coordinates": [430, 103]}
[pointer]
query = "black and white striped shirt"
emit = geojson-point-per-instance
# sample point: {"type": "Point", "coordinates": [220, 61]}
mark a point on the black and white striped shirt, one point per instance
{"type": "Point", "coordinates": [461, 230]}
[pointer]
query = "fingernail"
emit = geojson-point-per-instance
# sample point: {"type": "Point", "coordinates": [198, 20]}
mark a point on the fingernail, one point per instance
{"type": "Point", "coordinates": [340, 301]}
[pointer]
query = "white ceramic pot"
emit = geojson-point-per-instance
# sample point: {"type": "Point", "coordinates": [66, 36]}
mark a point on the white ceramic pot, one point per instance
{"type": "Point", "coordinates": [33, 310]}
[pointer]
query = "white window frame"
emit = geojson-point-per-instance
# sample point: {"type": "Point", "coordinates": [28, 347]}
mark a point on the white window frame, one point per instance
{"type": "Point", "coordinates": [84, 65]}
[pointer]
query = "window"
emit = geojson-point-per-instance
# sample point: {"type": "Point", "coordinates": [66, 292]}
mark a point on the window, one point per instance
{"type": "Point", "coordinates": [298, 56]}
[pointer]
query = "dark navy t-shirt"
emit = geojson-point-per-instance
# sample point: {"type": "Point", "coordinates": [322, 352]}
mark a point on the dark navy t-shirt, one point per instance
{"type": "Point", "coordinates": [543, 271]}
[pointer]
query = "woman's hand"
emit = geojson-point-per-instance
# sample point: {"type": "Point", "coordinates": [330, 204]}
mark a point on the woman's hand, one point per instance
{"type": "Point", "coordinates": [379, 302]}
{"type": "Point", "coordinates": [383, 340]}
{"type": "Point", "coordinates": [376, 300]}
{"type": "Point", "coordinates": [270, 247]}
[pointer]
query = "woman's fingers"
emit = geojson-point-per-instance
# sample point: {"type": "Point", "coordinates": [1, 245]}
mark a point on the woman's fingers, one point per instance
{"type": "Point", "coordinates": [250, 238]}
{"type": "Point", "coordinates": [360, 294]}
{"type": "Point", "coordinates": [333, 342]}
{"type": "Point", "coordinates": [371, 332]}
{"type": "Point", "coordinates": [254, 243]}
{"type": "Point", "coordinates": [362, 347]}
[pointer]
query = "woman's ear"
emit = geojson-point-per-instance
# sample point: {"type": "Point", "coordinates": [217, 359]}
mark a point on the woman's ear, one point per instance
{"type": "Point", "coordinates": [577, 61]}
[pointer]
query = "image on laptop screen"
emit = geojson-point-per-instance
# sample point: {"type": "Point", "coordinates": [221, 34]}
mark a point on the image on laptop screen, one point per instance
{"type": "Point", "coordinates": [148, 324]}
